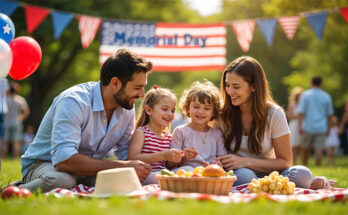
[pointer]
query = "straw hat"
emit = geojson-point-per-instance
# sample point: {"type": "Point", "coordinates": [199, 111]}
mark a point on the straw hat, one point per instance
{"type": "Point", "coordinates": [118, 181]}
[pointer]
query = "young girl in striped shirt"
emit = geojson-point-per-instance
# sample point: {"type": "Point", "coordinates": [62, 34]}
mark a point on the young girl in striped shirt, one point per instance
{"type": "Point", "coordinates": [151, 140]}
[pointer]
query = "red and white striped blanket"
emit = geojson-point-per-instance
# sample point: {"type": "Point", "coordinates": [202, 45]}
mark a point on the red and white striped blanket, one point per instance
{"type": "Point", "coordinates": [237, 194]}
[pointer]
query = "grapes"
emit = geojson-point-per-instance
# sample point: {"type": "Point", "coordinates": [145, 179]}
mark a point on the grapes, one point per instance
{"type": "Point", "coordinates": [274, 184]}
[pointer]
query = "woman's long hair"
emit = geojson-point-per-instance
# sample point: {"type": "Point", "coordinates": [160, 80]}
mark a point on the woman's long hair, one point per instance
{"type": "Point", "coordinates": [252, 72]}
{"type": "Point", "coordinates": [150, 99]}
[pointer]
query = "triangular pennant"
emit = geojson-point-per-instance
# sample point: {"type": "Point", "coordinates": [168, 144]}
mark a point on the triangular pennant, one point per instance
{"type": "Point", "coordinates": [317, 21]}
{"type": "Point", "coordinates": [60, 21]}
{"type": "Point", "coordinates": [244, 31]}
{"type": "Point", "coordinates": [344, 12]}
{"type": "Point", "coordinates": [8, 7]}
{"type": "Point", "coordinates": [88, 27]}
{"type": "Point", "coordinates": [34, 16]}
{"type": "Point", "coordinates": [289, 25]}
{"type": "Point", "coordinates": [267, 27]}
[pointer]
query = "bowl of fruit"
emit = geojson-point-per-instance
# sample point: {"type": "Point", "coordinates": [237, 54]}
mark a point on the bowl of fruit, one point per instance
{"type": "Point", "coordinates": [210, 180]}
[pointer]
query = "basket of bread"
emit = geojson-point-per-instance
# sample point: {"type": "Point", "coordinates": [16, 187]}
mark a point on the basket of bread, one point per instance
{"type": "Point", "coordinates": [211, 179]}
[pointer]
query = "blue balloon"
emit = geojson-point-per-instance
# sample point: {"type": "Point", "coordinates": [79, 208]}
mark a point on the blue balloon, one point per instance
{"type": "Point", "coordinates": [7, 29]}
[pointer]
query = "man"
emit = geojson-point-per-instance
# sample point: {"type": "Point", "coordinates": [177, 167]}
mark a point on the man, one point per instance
{"type": "Point", "coordinates": [315, 112]}
{"type": "Point", "coordinates": [83, 123]}
{"type": "Point", "coordinates": [17, 112]}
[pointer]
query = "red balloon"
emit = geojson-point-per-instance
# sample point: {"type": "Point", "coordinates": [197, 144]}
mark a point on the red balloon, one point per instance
{"type": "Point", "coordinates": [26, 57]}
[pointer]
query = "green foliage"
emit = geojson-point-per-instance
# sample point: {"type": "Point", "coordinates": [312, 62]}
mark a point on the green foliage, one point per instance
{"type": "Point", "coordinates": [287, 63]}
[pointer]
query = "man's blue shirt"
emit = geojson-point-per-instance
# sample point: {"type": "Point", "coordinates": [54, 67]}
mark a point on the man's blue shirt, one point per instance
{"type": "Point", "coordinates": [76, 123]}
{"type": "Point", "coordinates": [316, 105]}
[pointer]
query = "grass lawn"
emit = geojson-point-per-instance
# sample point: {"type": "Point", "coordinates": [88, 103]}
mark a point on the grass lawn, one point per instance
{"type": "Point", "coordinates": [40, 204]}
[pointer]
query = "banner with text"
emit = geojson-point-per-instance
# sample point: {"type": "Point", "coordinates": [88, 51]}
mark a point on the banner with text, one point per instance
{"type": "Point", "coordinates": [170, 46]}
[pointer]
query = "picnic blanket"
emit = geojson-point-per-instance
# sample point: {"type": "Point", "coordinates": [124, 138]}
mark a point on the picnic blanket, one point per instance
{"type": "Point", "coordinates": [237, 194]}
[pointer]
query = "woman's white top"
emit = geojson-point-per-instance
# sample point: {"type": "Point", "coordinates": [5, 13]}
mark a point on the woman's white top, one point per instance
{"type": "Point", "coordinates": [277, 126]}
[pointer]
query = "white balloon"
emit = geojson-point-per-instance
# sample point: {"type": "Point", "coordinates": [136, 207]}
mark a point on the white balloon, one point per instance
{"type": "Point", "coordinates": [5, 58]}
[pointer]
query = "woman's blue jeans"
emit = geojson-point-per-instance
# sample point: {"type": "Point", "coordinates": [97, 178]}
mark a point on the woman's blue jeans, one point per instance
{"type": "Point", "coordinates": [300, 175]}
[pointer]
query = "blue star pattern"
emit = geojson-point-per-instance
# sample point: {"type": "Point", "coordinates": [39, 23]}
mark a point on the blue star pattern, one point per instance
{"type": "Point", "coordinates": [7, 29]}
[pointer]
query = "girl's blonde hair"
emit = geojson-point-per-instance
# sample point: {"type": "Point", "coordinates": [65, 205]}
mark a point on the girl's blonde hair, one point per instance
{"type": "Point", "coordinates": [151, 98]}
{"type": "Point", "coordinates": [205, 92]}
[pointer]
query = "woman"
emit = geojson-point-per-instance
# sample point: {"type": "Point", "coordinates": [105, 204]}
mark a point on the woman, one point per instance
{"type": "Point", "coordinates": [295, 137]}
{"type": "Point", "coordinates": [255, 128]}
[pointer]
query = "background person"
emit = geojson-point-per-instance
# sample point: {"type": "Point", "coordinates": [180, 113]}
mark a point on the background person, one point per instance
{"type": "Point", "coordinates": [332, 142]}
{"type": "Point", "coordinates": [315, 113]}
{"type": "Point", "coordinates": [28, 137]}
{"type": "Point", "coordinates": [18, 111]}
{"type": "Point", "coordinates": [3, 110]}
{"type": "Point", "coordinates": [343, 130]}
{"type": "Point", "coordinates": [292, 114]}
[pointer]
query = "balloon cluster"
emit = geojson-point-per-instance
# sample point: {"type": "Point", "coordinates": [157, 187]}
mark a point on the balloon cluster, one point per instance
{"type": "Point", "coordinates": [19, 57]}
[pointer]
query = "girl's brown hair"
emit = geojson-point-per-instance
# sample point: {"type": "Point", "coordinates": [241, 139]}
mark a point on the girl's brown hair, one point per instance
{"type": "Point", "coordinates": [150, 99]}
{"type": "Point", "coordinates": [205, 92]}
{"type": "Point", "coordinates": [252, 72]}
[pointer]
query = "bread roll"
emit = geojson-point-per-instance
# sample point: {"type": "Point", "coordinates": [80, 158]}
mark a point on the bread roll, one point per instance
{"type": "Point", "coordinates": [213, 170]}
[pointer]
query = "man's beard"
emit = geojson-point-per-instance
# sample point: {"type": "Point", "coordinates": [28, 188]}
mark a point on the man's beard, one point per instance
{"type": "Point", "coordinates": [124, 100]}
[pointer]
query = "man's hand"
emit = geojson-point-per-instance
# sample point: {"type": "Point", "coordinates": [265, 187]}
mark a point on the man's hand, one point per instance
{"type": "Point", "coordinates": [142, 169]}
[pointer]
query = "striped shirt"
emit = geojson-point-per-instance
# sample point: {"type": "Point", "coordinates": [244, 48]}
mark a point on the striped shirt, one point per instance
{"type": "Point", "coordinates": [153, 144]}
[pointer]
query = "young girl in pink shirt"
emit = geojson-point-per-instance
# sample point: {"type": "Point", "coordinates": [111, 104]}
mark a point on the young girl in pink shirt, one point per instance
{"type": "Point", "coordinates": [200, 142]}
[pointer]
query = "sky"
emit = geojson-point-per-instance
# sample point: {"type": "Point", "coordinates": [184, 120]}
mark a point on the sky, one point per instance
{"type": "Point", "coordinates": [205, 7]}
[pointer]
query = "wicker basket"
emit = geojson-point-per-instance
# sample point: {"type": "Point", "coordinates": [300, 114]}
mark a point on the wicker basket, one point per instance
{"type": "Point", "coordinates": [209, 185]}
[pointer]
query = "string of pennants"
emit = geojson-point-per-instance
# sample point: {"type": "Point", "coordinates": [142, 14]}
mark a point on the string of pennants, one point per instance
{"type": "Point", "coordinates": [243, 29]}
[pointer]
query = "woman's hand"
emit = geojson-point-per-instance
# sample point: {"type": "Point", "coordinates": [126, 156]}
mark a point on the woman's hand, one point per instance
{"type": "Point", "coordinates": [190, 153]}
{"type": "Point", "coordinates": [231, 162]}
{"type": "Point", "coordinates": [217, 162]}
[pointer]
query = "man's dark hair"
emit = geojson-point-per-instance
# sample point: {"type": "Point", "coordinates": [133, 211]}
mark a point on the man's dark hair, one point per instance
{"type": "Point", "coordinates": [316, 81]}
{"type": "Point", "coordinates": [123, 64]}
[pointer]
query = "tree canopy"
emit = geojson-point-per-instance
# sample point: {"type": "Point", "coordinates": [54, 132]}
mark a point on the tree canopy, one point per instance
{"type": "Point", "coordinates": [287, 63]}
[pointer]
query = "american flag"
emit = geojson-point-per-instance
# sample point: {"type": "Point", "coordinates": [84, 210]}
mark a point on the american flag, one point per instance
{"type": "Point", "coordinates": [170, 46]}
{"type": "Point", "coordinates": [289, 25]}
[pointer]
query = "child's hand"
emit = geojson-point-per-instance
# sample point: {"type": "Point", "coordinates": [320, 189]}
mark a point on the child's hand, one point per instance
{"type": "Point", "coordinates": [174, 155]}
{"type": "Point", "coordinates": [190, 153]}
{"type": "Point", "coordinates": [217, 162]}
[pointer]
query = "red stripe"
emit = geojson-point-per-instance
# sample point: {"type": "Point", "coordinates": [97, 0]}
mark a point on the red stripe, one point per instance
{"type": "Point", "coordinates": [185, 25]}
{"type": "Point", "coordinates": [146, 151]}
{"type": "Point", "coordinates": [155, 148]}
{"type": "Point", "coordinates": [183, 56]}
{"type": "Point", "coordinates": [157, 144]}
{"type": "Point", "coordinates": [181, 68]}
{"type": "Point", "coordinates": [157, 140]}
{"type": "Point", "coordinates": [172, 56]}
